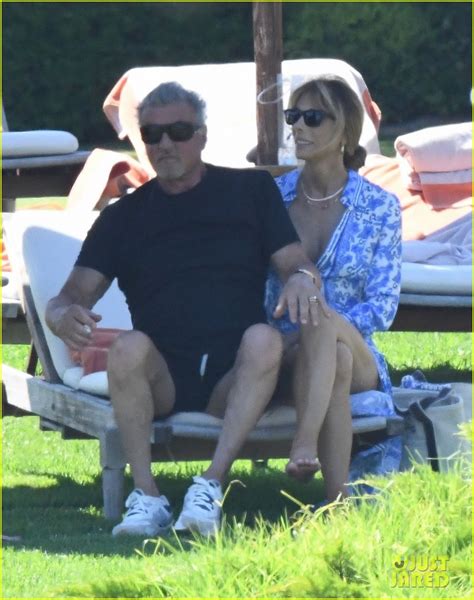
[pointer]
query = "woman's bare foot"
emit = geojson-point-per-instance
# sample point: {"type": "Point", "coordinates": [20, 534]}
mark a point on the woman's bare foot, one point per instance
{"type": "Point", "coordinates": [302, 469]}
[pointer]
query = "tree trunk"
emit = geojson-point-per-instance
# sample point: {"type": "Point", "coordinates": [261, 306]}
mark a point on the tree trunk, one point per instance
{"type": "Point", "coordinates": [268, 50]}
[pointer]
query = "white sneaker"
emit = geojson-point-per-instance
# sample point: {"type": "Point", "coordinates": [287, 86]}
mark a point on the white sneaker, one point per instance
{"type": "Point", "coordinates": [201, 508]}
{"type": "Point", "coordinates": [146, 515]}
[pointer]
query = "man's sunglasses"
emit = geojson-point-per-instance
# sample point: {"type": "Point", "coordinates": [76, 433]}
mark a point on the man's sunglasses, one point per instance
{"type": "Point", "coordinates": [312, 117]}
{"type": "Point", "coordinates": [180, 131]}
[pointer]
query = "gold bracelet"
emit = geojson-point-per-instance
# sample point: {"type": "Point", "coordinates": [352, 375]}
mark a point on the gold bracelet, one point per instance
{"type": "Point", "coordinates": [306, 272]}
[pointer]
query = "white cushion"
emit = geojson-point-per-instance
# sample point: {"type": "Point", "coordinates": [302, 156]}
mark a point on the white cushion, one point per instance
{"type": "Point", "coordinates": [274, 417]}
{"type": "Point", "coordinates": [441, 148]}
{"type": "Point", "coordinates": [72, 377]}
{"type": "Point", "coordinates": [37, 143]}
{"type": "Point", "coordinates": [436, 279]}
{"type": "Point", "coordinates": [95, 383]}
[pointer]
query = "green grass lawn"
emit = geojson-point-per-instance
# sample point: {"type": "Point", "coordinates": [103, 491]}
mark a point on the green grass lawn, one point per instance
{"type": "Point", "coordinates": [52, 501]}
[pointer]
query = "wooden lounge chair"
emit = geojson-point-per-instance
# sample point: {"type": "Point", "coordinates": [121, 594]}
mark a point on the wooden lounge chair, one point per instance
{"type": "Point", "coordinates": [42, 248]}
{"type": "Point", "coordinates": [35, 164]}
{"type": "Point", "coordinates": [38, 164]}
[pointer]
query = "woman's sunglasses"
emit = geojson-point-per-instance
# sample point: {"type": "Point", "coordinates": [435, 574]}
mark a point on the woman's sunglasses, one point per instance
{"type": "Point", "coordinates": [180, 131]}
{"type": "Point", "coordinates": [312, 117]}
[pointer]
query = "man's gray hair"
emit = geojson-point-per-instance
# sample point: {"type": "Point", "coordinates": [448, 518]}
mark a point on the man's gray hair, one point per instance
{"type": "Point", "coordinates": [172, 92]}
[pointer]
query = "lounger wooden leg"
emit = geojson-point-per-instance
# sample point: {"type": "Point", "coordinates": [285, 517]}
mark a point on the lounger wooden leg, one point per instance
{"type": "Point", "coordinates": [112, 489]}
{"type": "Point", "coordinates": [260, 463]}
{"type": "Point", "coordinates": [32, 360]}
{"type": "Point", "coordinates": [113, 464]}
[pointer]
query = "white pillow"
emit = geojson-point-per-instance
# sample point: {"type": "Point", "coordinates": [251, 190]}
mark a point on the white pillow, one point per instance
{"type": "Point", "coordinates": [37, 143]}
{"type": "Point", "coordinates": [72, 377]}
{"type": "Point", "coordinates": [418, 278]}
{"type": "Point", "coordinates": [95, 383]}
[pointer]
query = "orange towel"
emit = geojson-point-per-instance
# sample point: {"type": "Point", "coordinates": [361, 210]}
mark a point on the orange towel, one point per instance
{"type": "Point", "coordinates": [111, 105]}
{"type": "Point", "coordinates": [373, 109]}
{"type": "Point", "coordinates": [419, 218]}
{"type": "Point", "coordinates": [105, 175]}
{"type": "Point", "coordinates": [447, 195]}
{"type": "Point", "coordinates": [93, 358]}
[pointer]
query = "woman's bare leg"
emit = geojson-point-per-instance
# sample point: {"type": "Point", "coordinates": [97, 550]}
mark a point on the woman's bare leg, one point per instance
{"type": "Point", "coordinates": [322, 385]}
{"type": "Point", "coordinates": [313, 381]}
{"type": "Point", "coordinates": [335, 438]}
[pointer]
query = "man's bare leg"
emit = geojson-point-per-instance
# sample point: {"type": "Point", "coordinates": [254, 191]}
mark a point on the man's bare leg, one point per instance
{"type": "Point", "coordinates": [141, 388]}
{"type": "Point", "coordinates": [243, 394]}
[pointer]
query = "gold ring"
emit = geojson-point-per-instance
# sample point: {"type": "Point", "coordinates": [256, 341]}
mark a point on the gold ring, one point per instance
{"type": "Point", "coordinates": [313, 299]}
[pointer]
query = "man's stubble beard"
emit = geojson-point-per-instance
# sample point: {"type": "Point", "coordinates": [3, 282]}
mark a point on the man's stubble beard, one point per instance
{"type": "Point", "coordinates": [170, 172]}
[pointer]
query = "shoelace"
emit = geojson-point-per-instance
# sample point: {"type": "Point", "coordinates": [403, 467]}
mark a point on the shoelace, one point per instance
{"type": "Point", "coordinates": [201, 497]}
{"type": "Point", "coordinates": [136, 506]}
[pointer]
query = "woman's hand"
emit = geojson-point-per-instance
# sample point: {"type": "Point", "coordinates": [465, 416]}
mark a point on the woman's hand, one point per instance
{"type": "Point", "coordinates": [303, 299]}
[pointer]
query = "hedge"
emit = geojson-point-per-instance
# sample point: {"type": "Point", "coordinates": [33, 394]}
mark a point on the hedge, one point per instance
{"type": "Point", "coordinates": [415, 57]}
{"type": "Point", "coordinates": [61, 59]}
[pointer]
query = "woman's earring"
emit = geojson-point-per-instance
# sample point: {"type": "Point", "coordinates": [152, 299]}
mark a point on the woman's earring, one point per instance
{"type": "Point", "coordinates": [343, 148]}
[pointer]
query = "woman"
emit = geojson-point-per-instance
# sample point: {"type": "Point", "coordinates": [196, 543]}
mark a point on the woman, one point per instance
{"type": "Point", "coordinates": [351, 229]}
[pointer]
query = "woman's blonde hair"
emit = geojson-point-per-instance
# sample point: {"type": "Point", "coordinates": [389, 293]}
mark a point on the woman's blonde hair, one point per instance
{"type": "Point", "coordinates": [339, 100]}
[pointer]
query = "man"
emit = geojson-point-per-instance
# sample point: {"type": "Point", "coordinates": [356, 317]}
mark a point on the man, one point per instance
{"type": "Point", "coordinates": [190, 250]}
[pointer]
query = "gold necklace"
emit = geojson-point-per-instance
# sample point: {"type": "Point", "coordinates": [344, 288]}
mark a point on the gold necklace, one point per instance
{"type": "Point", "coordinates": [324, 201]}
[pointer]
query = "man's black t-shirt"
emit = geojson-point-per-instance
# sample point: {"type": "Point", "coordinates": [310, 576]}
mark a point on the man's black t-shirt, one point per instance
{"type": "Point", "coordinates": [192, 266]}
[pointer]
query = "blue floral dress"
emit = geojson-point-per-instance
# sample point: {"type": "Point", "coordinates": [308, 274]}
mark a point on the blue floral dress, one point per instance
{"type": "Point", "coordinates": [361, 271]}
{"type": "Point", "coordinates": [361, 266]}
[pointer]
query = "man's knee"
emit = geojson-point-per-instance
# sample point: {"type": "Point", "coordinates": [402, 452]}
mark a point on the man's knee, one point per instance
{"type": "Point", "coordinates": [262, 346]}
{"type": "Point", "coordinates": [129, 353]}
{"type": "Point", "coordinates": [344, 361]}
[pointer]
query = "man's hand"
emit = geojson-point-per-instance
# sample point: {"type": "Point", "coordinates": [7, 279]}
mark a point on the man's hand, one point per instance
{"type": "Point", "coordinates": [74, 325]}
{"type": "Point", "coordinates": [303, 299]}
{"type": "Point", "coordinates": [68, 315]}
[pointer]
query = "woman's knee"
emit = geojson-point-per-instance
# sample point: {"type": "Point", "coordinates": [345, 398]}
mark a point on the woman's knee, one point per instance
{"type": "Point", "coordinates": [313, 336]}
{"type": "Point", "coordinates": [262, 345]}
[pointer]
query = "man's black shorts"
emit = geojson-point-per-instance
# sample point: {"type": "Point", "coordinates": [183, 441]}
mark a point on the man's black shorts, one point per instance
{"type": "Point", "coordinates": [195, 376]}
